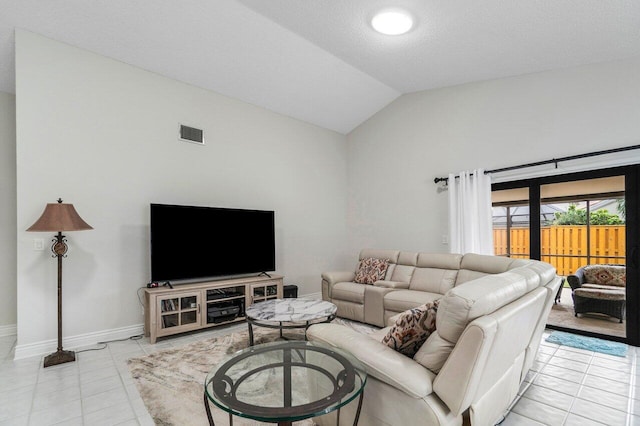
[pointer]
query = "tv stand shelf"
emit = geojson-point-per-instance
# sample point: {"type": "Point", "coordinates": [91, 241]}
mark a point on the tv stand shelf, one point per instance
{"type": "Point", "coordinates": [188, 307]}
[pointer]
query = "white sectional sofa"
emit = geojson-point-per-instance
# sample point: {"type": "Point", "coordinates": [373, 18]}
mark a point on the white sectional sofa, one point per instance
{"type": "Point", "coordinates": [489, 323]}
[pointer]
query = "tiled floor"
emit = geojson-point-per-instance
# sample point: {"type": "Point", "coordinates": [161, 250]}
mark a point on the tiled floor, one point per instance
{"type": "Point", "coordinates": [96, 390]}
{"type": "Point", "coordinates": [568, 387]}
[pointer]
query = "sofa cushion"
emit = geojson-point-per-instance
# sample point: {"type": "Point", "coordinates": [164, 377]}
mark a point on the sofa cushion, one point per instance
{"type": "Point", "coordinates": [466, 275]}
{"type": "Point", "coordinates": [371, 269]}
{"type": "Point", "coordinates": [402, 273]}
{"type": "Point", "coordinates": [614, 275]}
{"type": "Point", "coordinates": [464, 303]}
{"type": "Point", "coordinates": [412, 328]}
{"type": "Point", "coordinates": [409, 258]}
{"type": "Point", "coordinates": [474, 266]}
{"type": "Point", "coordinates": [439, 260]}
{"type": "Point", "coordinates": [434, 280]}
{"type": "Point", "coordinates": [402, 300]}
{"type": "Point", "coordinates": [348, 291]}
{"type": "Point", "coordinates": [434, 352]}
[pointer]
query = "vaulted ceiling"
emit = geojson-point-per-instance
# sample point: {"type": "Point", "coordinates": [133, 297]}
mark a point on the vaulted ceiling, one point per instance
{"type": "Point", "coordinates": [319, 60]}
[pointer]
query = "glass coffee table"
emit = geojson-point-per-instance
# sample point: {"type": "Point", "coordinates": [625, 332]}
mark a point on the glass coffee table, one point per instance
{"type": "Point", "coordinates": [291, 313]}
{"type": "Point", "coordinates": [283, 382]}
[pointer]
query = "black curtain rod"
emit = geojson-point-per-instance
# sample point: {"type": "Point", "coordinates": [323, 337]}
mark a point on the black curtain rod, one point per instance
{"type": "Point", "coordinates": [552, 161]}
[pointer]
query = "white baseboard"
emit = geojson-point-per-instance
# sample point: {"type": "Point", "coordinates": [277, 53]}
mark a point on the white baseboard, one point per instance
{"type": "Point", "coordinates": [8, 330]}
{"type": "Point", "coordinates": [73, 342]}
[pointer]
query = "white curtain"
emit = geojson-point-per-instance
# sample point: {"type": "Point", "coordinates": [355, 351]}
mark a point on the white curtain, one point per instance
{"type": "Point", "coordinates": [470, 217]}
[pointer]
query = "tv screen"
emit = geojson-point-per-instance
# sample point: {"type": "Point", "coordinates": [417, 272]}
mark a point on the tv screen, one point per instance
{"type": "Point", "coordinates": [189, 242]}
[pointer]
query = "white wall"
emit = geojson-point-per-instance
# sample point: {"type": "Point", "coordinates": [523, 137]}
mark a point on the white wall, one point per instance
{"type": "Point", "coordinates": [7, 213]}
{"type": "Point", "coordinates": [103, 135]}
{"type": "Point", "coordinates": [394, 156]}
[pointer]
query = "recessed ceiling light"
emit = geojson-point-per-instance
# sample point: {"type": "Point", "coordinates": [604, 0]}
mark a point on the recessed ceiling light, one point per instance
{"type": "Point", "coordinates": [392, 22]}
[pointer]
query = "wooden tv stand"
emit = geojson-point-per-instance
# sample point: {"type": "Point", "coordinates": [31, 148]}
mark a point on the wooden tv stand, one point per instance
{"type": "Point", "coordinates": [188, 307]}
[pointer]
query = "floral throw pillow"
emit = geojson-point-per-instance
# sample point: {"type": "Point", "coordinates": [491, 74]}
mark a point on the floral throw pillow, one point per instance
{"type": "Point", "coordinates": [371, 270]}
{"type": "Point", "coordinates": [412, 329]}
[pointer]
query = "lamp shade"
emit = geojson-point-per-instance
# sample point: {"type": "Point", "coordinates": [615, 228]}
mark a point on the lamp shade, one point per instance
{"type": "Point", "coordinates": [59, 217]}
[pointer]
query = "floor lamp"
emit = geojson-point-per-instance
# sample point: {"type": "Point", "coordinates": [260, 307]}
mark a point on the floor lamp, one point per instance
{"type": "Point", "coordinates": [58, 218]}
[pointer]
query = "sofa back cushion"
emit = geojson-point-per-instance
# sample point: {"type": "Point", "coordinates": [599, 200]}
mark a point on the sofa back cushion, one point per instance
{"type": "Point", "coordinates": [434, 272]}
{"type": "Point", "coordinates": [390, 255]}
{"type": "Point", "coordinates": [433, 280]}
{"type": "Point", "coordinates": [463, 304]}
{"type": "Point", "coordinates": [614, 275]}
{"type": "Point", "coordinates": [474, 266]}
{"type": "Point", "coordinates": [404, 268]}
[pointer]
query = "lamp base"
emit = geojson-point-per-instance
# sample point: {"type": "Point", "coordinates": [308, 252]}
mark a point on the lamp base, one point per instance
{"type": "Point", "coordinates": [59, 357]}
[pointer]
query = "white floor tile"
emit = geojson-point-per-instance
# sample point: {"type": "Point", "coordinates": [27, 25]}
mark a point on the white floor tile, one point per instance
{"type": "Point", "coordinates": [549, 397]}
{"type": "Point", "coordinates": [605, 398]}
{"type": "Point", "coordinates": [104, 400]}
{"type": "Point", "coordinates": [607, 385]}
{"type": "Point", "coordinates": [598, 413]}
{"type": "Point", "coordinates": [94, 375]}
{"type": "Point", "coordinates": [101, 385]}
{"type": "Point", "coordinates": [111, 416]}
{"type": "Point", "coordinates": [16, 421]}
{"type": "Point", "coordinates": [608, 373]}
{"type": "Point", "coordinates": [42, 401]}
{"type": "Point", "coordinates": [515, 419]}
{"type": "Point", "coordinates": [575, 420]}
{"type": "Point", "coordinates": [569, 364]}
{"type": "Point", "coordinates": [563, 353]}
{"type": "Point", "coordinates": [537, 411]}
{"type": "Point", "coordinates": [53, 415]}
{"type": "Point", "coordinates": [563, 373]}
{"type": "Point", "coordinates": [557, 384]}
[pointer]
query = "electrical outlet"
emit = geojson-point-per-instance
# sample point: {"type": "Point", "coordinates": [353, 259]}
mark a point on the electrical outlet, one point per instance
{"type": "Point", "coordinates": [445, 239]}
{"type": "Point", "coordinates": [38, 244]}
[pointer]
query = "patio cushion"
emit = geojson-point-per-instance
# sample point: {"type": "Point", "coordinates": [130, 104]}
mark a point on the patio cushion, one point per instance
{"type": "Point", "coordinates": [614, 275]}
{"type": "Point", "coordinates": [598, 293]}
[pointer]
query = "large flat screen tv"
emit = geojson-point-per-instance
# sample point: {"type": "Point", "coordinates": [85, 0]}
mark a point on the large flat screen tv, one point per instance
{"type": "Point", "coordinates": [191, 243]}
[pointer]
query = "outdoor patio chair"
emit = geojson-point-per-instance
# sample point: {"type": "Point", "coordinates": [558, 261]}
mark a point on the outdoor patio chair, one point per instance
{"type": "Point", "coordinates": [599, 289]}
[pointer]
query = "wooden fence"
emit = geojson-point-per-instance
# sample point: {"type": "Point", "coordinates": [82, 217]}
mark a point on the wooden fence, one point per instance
{"type": "Point", "coordinates": [566, 246]}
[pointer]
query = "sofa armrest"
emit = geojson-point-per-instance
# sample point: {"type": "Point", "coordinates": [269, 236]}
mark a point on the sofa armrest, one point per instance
{"type": "Point", "coordinates": [338, 277]}
{"type": "Point", "coordinates": [391, 284]}
{"type": "Point", "coordinates": [374, 304]}
{"type": "Point", "coordinates": [331, 278]}
{"type": "Point", "coordinates": [576, 280]}
{"type": "Point", "coordinates": [380, 361]}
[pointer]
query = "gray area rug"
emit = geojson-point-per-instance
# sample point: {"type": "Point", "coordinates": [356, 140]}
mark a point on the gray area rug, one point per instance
{"type": "Point", "coordinates": [170, 381]}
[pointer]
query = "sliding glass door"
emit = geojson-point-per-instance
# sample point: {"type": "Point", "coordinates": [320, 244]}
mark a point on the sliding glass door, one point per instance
{"type": "Point", "coordinates": [572, 221]}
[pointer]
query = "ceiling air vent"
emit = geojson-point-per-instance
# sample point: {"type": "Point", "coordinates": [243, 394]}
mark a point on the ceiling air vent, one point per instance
{"type": "Point", "coordinates": [191, 134]}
